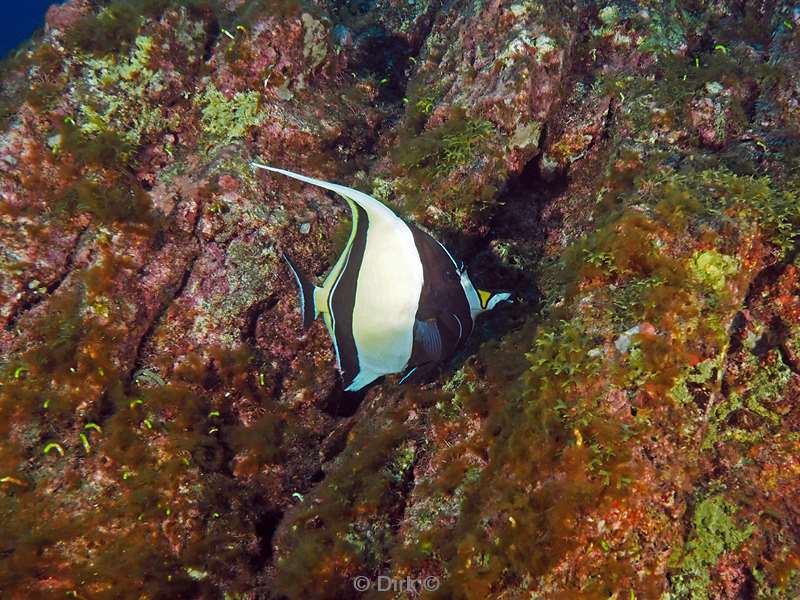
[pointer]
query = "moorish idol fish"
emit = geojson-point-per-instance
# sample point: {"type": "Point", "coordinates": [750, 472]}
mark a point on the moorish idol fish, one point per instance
{"type": "Point", "coordinates": [395, 301]}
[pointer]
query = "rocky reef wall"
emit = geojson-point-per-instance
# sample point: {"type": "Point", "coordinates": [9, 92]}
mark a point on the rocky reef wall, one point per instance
{"type": "Point", "coordinates": [628, 429]}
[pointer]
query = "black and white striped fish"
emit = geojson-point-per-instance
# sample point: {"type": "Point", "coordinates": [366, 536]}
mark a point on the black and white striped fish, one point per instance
{"type": "Point", "coordinates": [396, 301]}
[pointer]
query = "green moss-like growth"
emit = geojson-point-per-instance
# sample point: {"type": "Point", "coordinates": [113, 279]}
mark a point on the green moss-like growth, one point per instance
{"type": "Point", "coordinates": [454, 143]}
{"type": "Point", "coordinates": [428, 161]}
{"type": "Point", "coordinates": [582, 405]}
{"type": "Point", "coordinates": [114, 92]}
{"type": "Point", "coordinates": [49, 81]}
{"type": "Point", "coordinates": [767, 385]}
{"type": "Point", "coordinates": [714, 532]}
{"type": "Point", "coordinates": [227, 119]}
{"type": "Point", "coordinates": [106, 203]}
{"type": "Point", "coordinates": [145, 447]}
{"type": "Point", "coordinates": [100, 186]}
{"type": "Point", "coordinates": [57, 336]}
{"type": "Point", "coordinates": [677, 81]}
{"type": "Point", "coordinates": [115, 27]}
{"type": "Point", "coordinates": [255, 9]}
{"type": "Point", "coordinates": [712, 269]}
{"type": "Point", "coordinates": [420, 102]}
{"type": "Point", "coordinates": [105, 149]}
{"type": "Point", "coordinates": [777, 211]}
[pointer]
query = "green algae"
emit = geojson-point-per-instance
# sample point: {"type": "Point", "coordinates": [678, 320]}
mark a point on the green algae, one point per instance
{"type": "Point", "coordinates": [422, 98]}
{"type": "Point", "coordinates": [695, 378]}
{"type": "Point", "coordinates": [399, 469]}
{"type": "Point", "coordinates": [58, 336]}
{"type": "Point", "coordinates": [122, 90]}
{"type": "Point", "coordinates": [767, 386]}
{"type": "Point", "coordinates": [114, 93]}
{"type": "Point", "coordinates": [105, 149]}
{"type": "Point", "coordinates": [623, 273]}
{"type": "Point", "coordinates": [147, 450]}
{"type": "Point", "coordinates": [681, 86]}
{"type": "Point", "coordinates": [425, 161]}
{"type": "Point", "coordinates": [250, 11]}
{"type": "Point", "coordinates": [438, 151]}
{"type": "Point", "coordinates": [630, 301]}
{"type": "Point", "coordinates": [788, 584]}
{"type": "Point", "coordinates": [715, 531]}
{"type": "Point", "coordinates": [567, 424]}
{"type": "Point", "coordinates": [777, 211]}
{"type": "Point", "coordinates": [564, 352]}
{"type": "Point", "coordinates": [48, 77]}
{"type": "Point", "coordinates": [106, 204]}
{"type": "Point", "coordinates": [712, 269]}
{"type": "Point", "coordinates": [225, 119]}
{"type": "Point", "coordinates": [114, 28]}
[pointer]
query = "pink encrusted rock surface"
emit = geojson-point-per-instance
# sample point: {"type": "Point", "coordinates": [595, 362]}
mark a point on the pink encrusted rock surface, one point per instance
{"type": "Point", "coordinates": [629, 172]}
{"type": "Point", "coordinates": [65, 15]}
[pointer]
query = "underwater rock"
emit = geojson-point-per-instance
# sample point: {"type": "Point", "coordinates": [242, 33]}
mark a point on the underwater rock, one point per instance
{"type": "Point", "coordinates": [628, 429]}
{"type": "Point", "coordinates": [65, 15]}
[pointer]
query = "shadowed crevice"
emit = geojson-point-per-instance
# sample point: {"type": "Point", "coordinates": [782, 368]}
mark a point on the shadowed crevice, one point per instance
{"type": "Point", "coordinates": [52, 287]}
{"type": "Point", "coordinates": [156, 320]}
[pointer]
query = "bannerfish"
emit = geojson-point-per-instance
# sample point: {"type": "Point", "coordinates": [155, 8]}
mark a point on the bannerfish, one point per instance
{"type": "Point", "coordinates": [395, 301]}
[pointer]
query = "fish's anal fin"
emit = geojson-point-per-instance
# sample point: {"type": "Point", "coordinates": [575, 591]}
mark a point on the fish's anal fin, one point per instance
{"type": "Point", "coordinates": [306, 292]}
{"type": "Point", "coordinates": [358, 381]}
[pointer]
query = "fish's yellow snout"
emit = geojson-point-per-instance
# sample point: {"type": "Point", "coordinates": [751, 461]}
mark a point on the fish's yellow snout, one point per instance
{"type": "Point", "coordinates": [489, 300]}
{"type": "Point", "coordinates": [484, 297]}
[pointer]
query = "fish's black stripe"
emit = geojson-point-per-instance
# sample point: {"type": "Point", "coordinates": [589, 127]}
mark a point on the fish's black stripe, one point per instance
{"type": "Point", "coordinates": [442, 298]}
{"type": "Point", "coordinates": [343, 298]}
{"type": "Point", "coordinates": [306, 293]}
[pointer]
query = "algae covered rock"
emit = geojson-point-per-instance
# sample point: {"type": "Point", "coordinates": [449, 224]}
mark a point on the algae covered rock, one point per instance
{"type": "Point", "coordinates": [628, 428]}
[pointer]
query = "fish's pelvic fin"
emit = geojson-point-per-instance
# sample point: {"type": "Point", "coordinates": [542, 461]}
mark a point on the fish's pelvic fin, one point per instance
{"type": "Point", "coordinates": [420, 373]}
{"type": "Point", "coordinates": [307, 292]}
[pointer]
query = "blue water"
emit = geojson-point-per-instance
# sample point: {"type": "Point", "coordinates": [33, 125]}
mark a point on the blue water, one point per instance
{"type": "Point", "coordinates": [20, 19]}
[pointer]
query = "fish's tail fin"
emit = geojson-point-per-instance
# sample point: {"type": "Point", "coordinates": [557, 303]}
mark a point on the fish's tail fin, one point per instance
{"type": "Point", "coordinates": [306, 291]}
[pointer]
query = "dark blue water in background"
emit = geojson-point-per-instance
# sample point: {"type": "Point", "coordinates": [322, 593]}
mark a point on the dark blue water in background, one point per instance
{"type": "Point", "coordinates": [20, 19]}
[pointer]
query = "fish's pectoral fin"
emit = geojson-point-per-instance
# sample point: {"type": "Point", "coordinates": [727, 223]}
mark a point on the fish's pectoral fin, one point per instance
{"type": "Point", "coordinates": [306, 293]}
{"type": "Point", "coordinates": [428, 341]}
{"type": "Point", "coordinates": [419, 373]}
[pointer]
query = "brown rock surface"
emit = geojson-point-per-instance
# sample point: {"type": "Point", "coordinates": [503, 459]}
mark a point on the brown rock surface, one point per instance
{"type": "Point", "coordinates": [627, 429]}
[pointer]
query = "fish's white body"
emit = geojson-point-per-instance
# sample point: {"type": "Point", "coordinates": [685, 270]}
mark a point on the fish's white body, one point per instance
{"type": "Point", "coordinates": [387, 297]}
